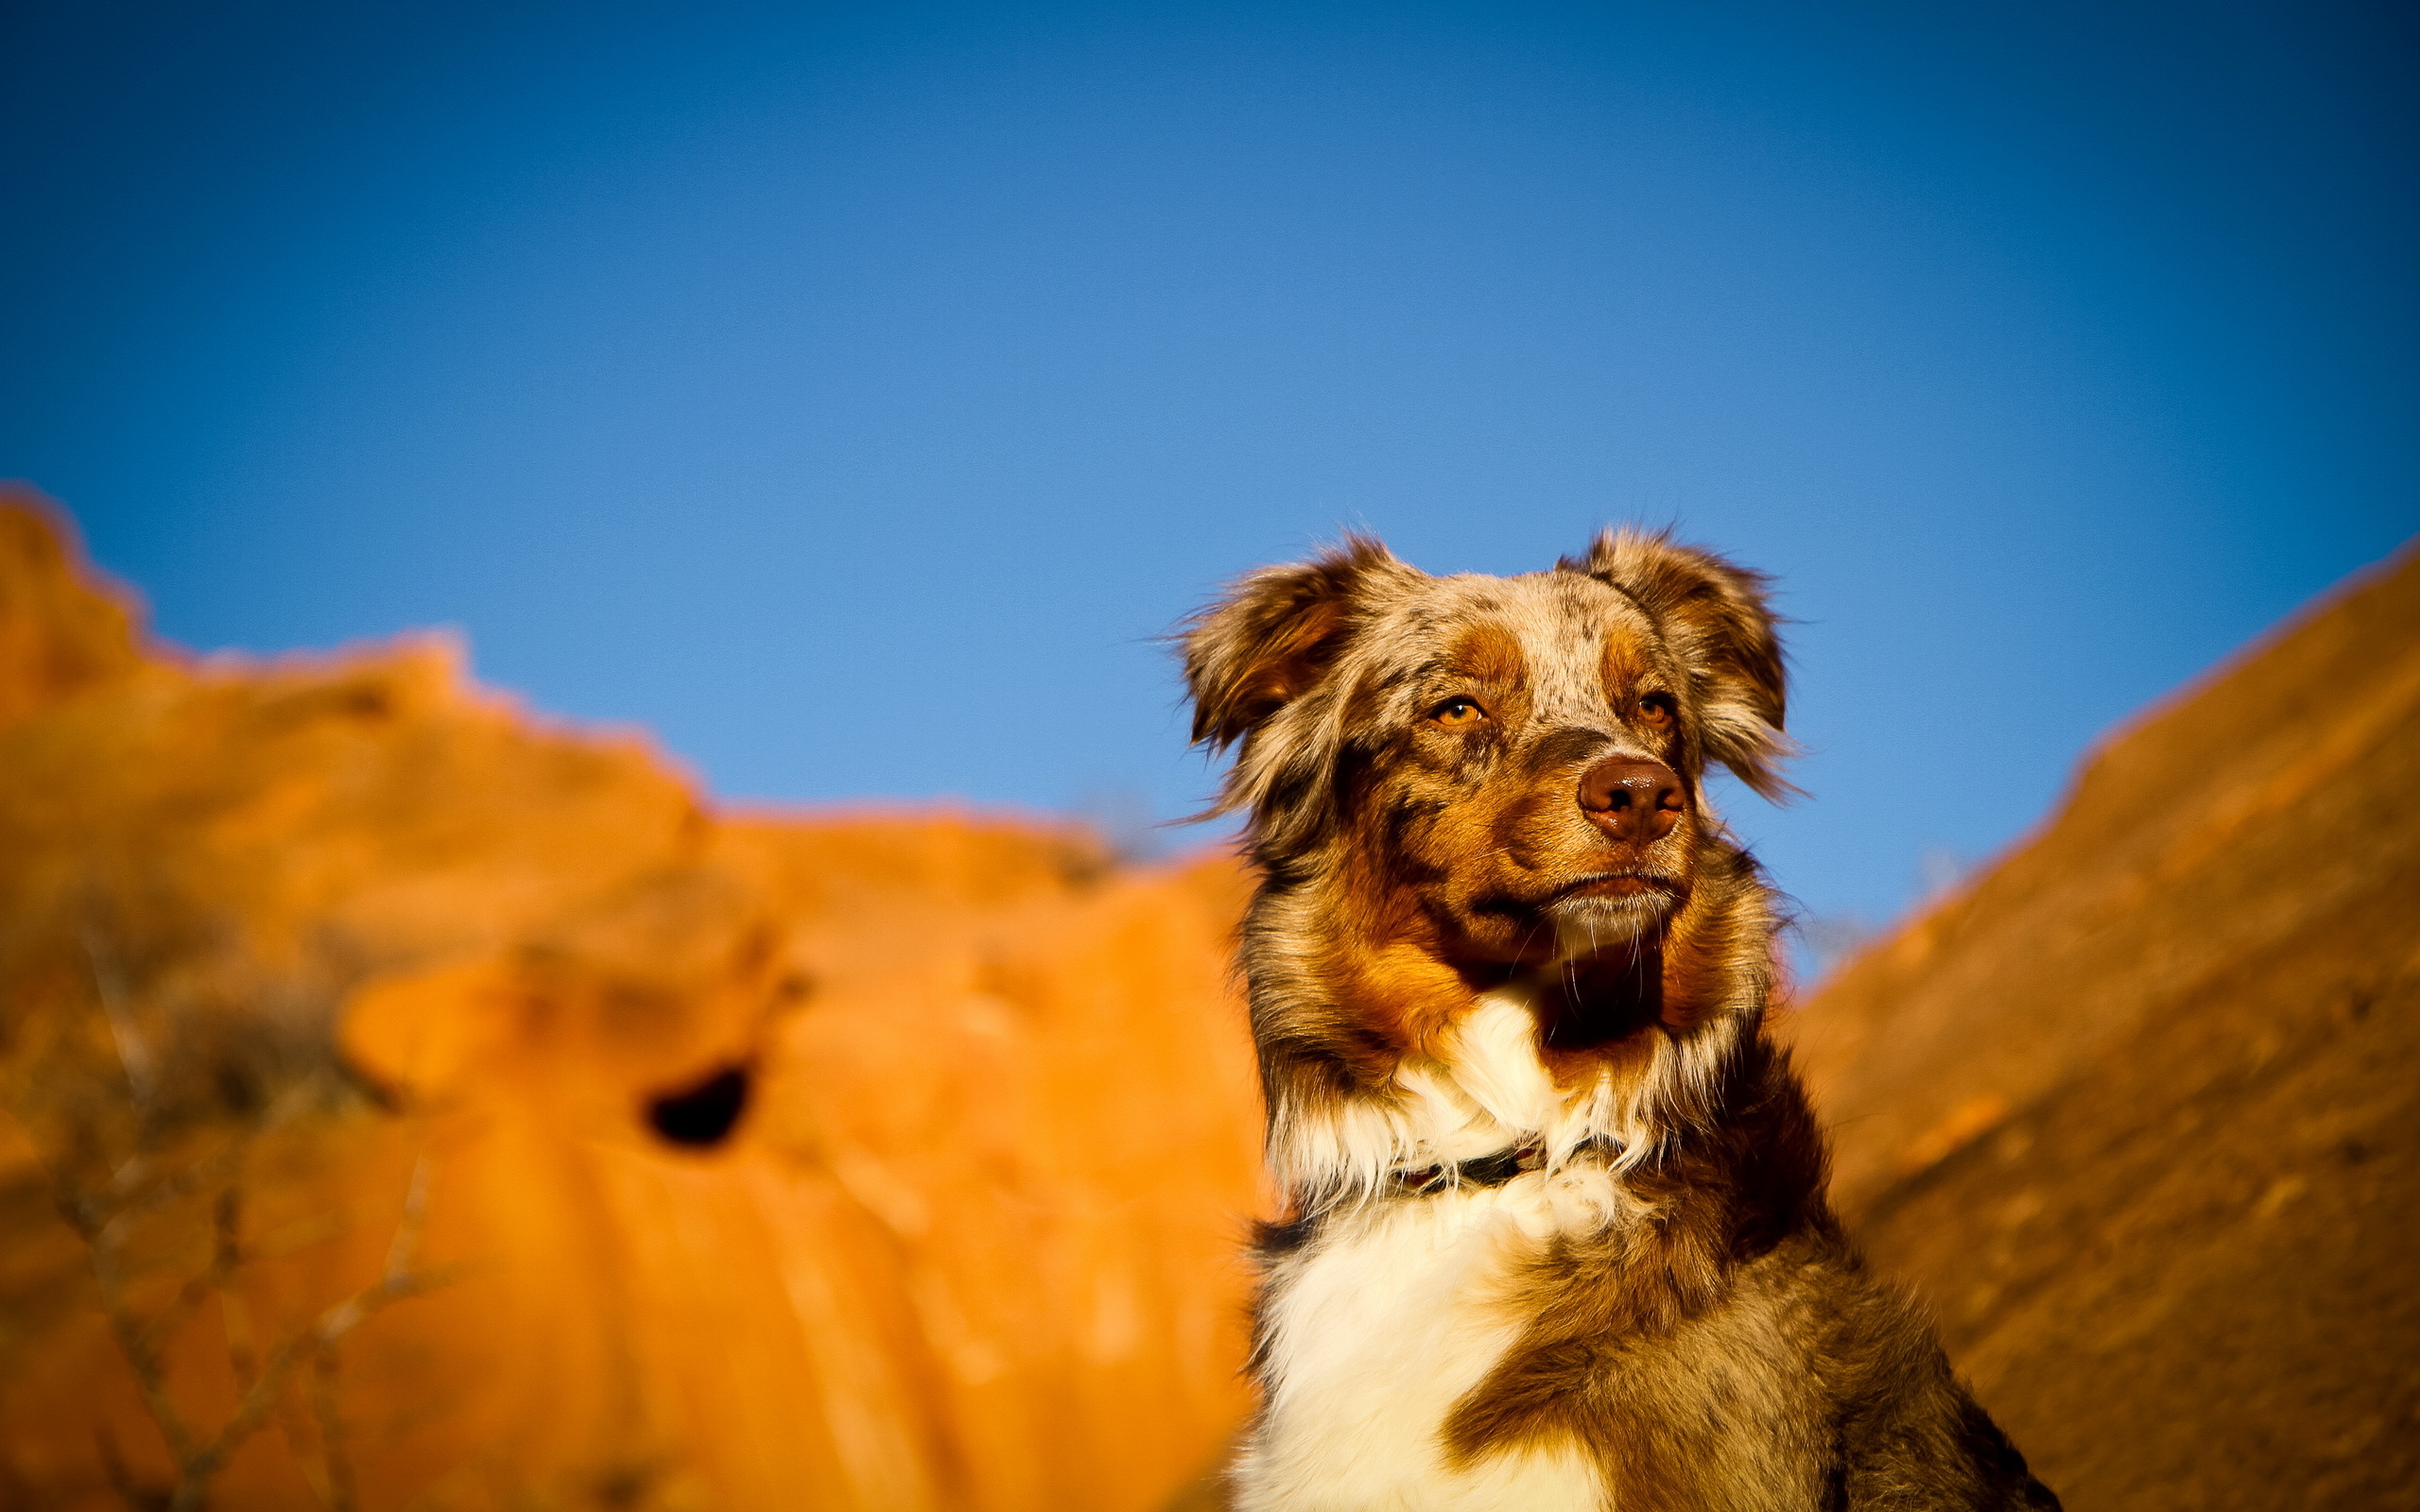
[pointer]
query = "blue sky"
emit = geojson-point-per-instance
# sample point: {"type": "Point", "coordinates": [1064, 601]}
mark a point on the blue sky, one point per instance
{"type": "Point", "coordinates": [852, 394]}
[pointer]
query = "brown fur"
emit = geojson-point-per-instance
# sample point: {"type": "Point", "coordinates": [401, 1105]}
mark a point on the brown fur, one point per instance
{"type": "Point", "coordinates": [1411, 748]}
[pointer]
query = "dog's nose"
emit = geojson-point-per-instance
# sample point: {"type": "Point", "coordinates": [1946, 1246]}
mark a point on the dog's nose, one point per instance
{"type": "Point", "coordinates": [1632, 799]}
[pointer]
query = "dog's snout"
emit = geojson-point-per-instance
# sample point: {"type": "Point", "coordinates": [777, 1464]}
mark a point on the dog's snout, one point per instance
{"type": "Point", "coordinates": [1632, 799]}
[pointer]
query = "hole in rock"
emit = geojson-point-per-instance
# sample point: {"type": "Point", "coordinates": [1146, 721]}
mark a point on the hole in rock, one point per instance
{"type": "Point", "coordinates": [702, 1115]}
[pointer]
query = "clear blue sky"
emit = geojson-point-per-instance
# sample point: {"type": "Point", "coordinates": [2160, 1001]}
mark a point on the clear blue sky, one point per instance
{"type": "Point", "coordinates": [851, 394]}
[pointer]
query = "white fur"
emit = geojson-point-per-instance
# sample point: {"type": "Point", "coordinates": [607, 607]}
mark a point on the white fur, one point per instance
{"type": "Point", "coordinates": [1486, 1093]}
{"type": "Point", "coordinates": [1401, 1306]}
{"type": "Point", "coordinates": [1378, 1330]}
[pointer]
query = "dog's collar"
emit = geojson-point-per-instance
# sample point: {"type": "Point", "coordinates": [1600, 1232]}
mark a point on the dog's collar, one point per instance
{"type": "Point", "coordinates": [1486, 1171]}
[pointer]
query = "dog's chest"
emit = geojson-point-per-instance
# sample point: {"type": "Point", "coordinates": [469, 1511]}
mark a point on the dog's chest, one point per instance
{"type": "Point", "coordinates": [1401, 1307]}
{"type": "Point", "coordinates": [1375, 1335]}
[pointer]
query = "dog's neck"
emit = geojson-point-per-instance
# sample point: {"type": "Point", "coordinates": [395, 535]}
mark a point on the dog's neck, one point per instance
{"type": "Point", "coordinates": [1485, 1094]}
{"type": "Point", "coordinates": [1379, 1059]}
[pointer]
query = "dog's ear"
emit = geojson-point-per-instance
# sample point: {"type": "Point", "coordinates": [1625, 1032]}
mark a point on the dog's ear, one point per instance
{"type": "Point", "coordinates": [1274, 635]}
{"type": "Point", "coordinates": [1714, 617]}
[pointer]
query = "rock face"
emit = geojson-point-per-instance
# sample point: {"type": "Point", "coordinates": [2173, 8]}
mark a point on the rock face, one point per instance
{"type": "Point", "coordinates": [413, 1104]}
{"type": "Point", "coordinates": [2139, 1110]}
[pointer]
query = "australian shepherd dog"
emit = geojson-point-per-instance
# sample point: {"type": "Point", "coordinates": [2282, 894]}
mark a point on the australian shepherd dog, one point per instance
{"type": "Point", "coordinates": [1554, 1230]}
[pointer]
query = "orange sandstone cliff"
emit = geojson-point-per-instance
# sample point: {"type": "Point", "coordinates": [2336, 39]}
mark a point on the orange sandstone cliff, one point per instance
{"type": "Point", "coordinates": [417, 1105]}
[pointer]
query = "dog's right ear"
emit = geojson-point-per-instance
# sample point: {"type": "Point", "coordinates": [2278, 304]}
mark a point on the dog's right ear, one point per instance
{"type": "Point", "coordinates": [1274, 635]}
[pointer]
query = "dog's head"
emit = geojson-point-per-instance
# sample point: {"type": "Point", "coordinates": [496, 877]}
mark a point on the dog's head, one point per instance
{"type": "Point", "coordinates": [1507, 770]}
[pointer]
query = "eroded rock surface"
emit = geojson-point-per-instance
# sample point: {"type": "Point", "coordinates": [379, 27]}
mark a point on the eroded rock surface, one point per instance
{"type": "Point", "coordinates": [2139, 1110]}
{"type": "Point", "coordinates": [468, 1116]}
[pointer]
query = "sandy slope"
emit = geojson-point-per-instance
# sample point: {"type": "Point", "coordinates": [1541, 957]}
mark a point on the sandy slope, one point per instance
{"type": "Point", "coordinates": [2138, 1112]}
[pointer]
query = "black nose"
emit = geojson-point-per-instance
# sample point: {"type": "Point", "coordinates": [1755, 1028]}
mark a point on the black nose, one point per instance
{"type": "Point", "coordinates": [1632, 799]}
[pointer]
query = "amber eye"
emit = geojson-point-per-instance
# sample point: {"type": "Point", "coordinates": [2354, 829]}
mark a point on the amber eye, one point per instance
{"type": "Point", "coordinates": [1656, 709]}
{"type": "Point", "coordinates": [1457, 712]}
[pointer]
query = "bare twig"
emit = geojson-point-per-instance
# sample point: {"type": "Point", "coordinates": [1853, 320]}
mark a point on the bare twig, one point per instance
{"type": "Point", "coordinates": [137, 1497]}
{"type": "Point", "coordinates": [226, 1254]}
{"type": "Point", "coordinates": [235, 1318]}
{"type": "Point", "coordinates": [91, 1216]}
{"type": "Point", "coordinates": [308, 1343]}
{"type": "Point", "coordinates": [108, 984]}
{"type": "Point", "coordinates": [405, 1247]}
{"type": "Point", "coordinates": [261, 1378]}
{"type": "Point", "coordinates": [135, 1343]}
{"type": "Point", "coordinates": [120, 1175]}
{"type": "Point", "coordinates": [336, 1465]}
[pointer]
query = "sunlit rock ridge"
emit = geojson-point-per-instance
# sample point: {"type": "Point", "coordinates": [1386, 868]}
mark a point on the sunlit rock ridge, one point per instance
{"type": "Point", "coordinates": [728, 1160]}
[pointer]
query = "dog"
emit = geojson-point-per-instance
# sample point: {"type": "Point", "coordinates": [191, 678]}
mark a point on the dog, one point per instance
{"type": "Point", "coordinates": [1554, 1231]}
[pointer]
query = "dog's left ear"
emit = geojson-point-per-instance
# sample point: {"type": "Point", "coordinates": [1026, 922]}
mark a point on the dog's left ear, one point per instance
{"type": "Point", "coordinates": [1714, 614]}
{"type": "Point", "coordinates": [1274, 635]}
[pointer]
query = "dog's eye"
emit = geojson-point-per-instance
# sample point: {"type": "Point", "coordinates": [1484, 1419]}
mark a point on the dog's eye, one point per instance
{"type": "Point", "coordinates": [1656, 709]}
{"type": "Point", "coordinates": [1457, 712]}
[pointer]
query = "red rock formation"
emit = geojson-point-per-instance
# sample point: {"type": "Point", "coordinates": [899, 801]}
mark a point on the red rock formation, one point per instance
{"type": "Point", "coordinates": [319, 953]}
{"type": "Point", "coordinates": [2137, 1109]}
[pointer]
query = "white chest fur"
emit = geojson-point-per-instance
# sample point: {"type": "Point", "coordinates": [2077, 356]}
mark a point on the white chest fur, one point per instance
{"type": "Point", "coordinates": [1374, 1336]}
{"type": "Point", "coordinates": [1402, 1305]}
